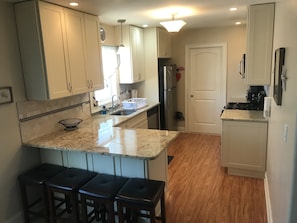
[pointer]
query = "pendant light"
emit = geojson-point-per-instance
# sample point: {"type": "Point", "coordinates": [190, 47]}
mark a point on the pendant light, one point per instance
{"type": "Point", "coordinates": [121, 46]}
{"type": "Point", "coordinates": [173, 25]}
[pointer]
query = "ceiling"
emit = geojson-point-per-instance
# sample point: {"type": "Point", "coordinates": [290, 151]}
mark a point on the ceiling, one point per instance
{"type": "Point", "coordinates": [197, 13]}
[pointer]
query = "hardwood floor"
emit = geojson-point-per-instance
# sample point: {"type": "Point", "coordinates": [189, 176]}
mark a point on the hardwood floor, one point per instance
{"type": "Point", "coordinates": [200, 191]}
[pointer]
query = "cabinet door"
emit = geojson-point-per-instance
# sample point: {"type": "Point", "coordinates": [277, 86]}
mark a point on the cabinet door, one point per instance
{"type": "Point", "coordinates": [132, 55]}
{"type": "Point", "coordinates": [164, 43]}
{"type": "Point", "coordinates": [260, 43]}
{"type": "Point", "coordinates": [137, 50]}
{"type": "Point", "coordinates": [244, 145]}
{"type": "Point", "coordinates": [139, 121]}
{"type": "Point", "coordinates": [55, 47]}
{"type": "Point", "coordinates": [93, 52]}
{"type": "Point", "coordinates": [74, 21]}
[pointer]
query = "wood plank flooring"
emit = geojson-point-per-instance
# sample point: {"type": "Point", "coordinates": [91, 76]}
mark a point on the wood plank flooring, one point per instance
{"type": "Point", "coordinates": [200, 191]}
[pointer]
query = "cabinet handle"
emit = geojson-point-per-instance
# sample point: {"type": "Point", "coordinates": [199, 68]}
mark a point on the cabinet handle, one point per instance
{"type": "Point", "coordinates": [91, 83]}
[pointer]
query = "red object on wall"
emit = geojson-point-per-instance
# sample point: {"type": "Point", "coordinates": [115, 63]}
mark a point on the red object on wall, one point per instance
{"type": "Point", "coordinates": [178, 74]}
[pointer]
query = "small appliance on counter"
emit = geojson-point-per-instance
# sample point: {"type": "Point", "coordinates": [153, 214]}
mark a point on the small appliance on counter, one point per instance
{"type": "Point", "coordinates": [255, 100]}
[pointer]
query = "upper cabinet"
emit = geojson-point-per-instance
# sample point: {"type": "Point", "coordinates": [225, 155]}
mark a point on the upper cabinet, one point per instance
{"type": "Point", "coordinates": [260, 43]}
{"type": "Point", "coordinates": [60, 50]}
{"type": "Point", "coordinates": [131, 55]}
{"type": "Point", "coordinates": [164, 43]}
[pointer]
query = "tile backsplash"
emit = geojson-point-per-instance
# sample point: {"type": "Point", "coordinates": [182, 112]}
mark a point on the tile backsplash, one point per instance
{"type": "Point", "coordinates": [37, 118]}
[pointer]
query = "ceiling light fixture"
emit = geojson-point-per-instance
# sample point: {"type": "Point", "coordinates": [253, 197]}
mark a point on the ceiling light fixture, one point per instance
{"type": "Point", "coordinates": [233, 9]}
{"type": "Point", "coordinates": [121, 46]}
{"type": "Point", "coordinates": [173, 25]}
{"type": "Point", "coordinates": [73, 4]}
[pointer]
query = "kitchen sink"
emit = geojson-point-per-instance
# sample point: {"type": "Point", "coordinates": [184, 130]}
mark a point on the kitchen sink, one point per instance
{"type": "Point", "coordinates": [123, 112]}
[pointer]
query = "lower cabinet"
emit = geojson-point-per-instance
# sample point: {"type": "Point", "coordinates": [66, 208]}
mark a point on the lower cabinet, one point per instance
{"type": "Point", "coordinates": [244, 148]}
{"type": "Point", "coordinates": [137, 122]}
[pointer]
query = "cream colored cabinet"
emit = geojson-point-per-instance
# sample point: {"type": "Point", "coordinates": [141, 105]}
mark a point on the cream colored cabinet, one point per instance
{"type": "Point", "coordinates": [132, 55]}
{"type": "Point", "coordinates": [54, 49]}
{"type": "Point", "coordinates": [244, 147]}
{"type": "Point", "coordinates": [260, 43]}
{"type": "Point", "coordinates": [137, 122]}
{"type": "Point", "coordinates": [93, 53]}
{"type": "Point", "coordinates": [74, 23]}
{"type": "Point", "coordinates": [164, 43]}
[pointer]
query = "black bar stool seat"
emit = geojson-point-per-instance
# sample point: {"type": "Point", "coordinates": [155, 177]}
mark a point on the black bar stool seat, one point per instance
{"type": "Point", "coordinates": [67, 183]}
{"type": "Point", "coordinates": [101, 191]}
{"type": "Point", "coordinates": [140, 195]}
{"type": "Point", "coordinates": [36, 178]}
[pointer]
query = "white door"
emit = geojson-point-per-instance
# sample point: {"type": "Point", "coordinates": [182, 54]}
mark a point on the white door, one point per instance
{"type": "Point", "coordinates": [206, 86]}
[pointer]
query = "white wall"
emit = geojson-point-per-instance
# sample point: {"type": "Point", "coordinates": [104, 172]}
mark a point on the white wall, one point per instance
{"type": "Point", "coordinates": [13, 158]}
{"type": "Point", "coordinates": [281, 155]}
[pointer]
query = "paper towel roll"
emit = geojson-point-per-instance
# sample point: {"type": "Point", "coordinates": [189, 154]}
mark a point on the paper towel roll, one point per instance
{"type": "Point", "coordinates": [267, 107]}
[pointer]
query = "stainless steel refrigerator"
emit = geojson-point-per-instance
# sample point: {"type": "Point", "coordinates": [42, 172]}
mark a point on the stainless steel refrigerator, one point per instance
{"type": "Point", "coordinates": [168, 97]}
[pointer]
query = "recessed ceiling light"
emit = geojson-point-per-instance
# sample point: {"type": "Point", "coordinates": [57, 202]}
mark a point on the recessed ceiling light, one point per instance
{"type": "Point", "coordinates": [73, 4]}
{"type": "Point", "coordinates": [145, 25]}
{"type": "Point", "coordinates": [237, 23]}
{"type": "Point", "coordinates": [233, 9]}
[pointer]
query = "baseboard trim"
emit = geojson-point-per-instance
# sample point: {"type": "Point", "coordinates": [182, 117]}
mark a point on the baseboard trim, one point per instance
{"type": "Point", "coordinates": [268, 202]}
{"type": "Point", "coordinates": [181, 129]}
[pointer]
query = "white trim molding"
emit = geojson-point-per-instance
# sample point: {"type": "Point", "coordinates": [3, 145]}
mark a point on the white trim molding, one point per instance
{"type": "Point", "coordinates": [267, 199]}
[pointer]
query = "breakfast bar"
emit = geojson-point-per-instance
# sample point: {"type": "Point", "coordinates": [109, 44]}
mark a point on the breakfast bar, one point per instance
{"type": "Point", "coordinates": [99, 146]}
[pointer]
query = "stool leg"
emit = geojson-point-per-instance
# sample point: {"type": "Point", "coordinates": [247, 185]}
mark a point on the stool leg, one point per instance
{"type": "Point", "coordinates": [46, 206]}
{"type": "Point", "coordinates": [25, 202]}
{"type": "Point", "coordinates": [74, 203]}
{"type": "Point", "coordinates": [52, 210]}
{"type": "Point", "coordinates": [163, 212]}
{"type": "Point", "coordinates": [153, 215]}
{"type": "Point", "coordinates": [120, 213]}
{"type": "Point", "coordinates": [111, 214]}
{"type": "Point", "coordinates": [84, 209]}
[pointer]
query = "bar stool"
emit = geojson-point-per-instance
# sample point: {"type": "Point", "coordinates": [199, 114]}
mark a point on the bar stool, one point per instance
{"type": "Point", "coordinates": [140, 196]}
{"type": "Point", "coordinates": [35, 180]}
{"type": "Point", "coordinates": [99, 194]}
{"type": "Point", "coordinates": [66, 184]}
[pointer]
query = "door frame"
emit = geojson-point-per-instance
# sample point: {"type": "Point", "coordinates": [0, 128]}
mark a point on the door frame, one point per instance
{"type": "Point", "coordinates": [188, 47]}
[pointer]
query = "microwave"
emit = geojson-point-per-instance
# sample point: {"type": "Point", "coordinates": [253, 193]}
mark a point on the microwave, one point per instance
{"type": "Point", "coordinates": [241, 66]}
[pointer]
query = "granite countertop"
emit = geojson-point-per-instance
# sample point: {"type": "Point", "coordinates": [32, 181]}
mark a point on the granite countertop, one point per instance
{"type": "Point", "coordinates": [243, 115]}
{"type": "Point", "coordinates": [98, 135]}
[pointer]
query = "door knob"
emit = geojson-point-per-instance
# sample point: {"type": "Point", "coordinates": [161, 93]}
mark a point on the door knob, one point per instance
{"type": "Point", "coordinates": [192, 96]}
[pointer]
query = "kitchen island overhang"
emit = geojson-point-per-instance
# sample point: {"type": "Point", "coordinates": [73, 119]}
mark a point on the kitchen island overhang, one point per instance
{"type": "Point", "coordinates": [98, 146]}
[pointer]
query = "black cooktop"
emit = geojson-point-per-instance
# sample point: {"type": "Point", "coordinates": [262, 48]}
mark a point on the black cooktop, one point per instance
{"type": "Point", "coordinates": [244, 106]}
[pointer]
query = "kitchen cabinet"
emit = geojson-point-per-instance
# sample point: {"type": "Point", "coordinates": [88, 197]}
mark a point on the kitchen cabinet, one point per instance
{"type": "Point", "coordinates": [93, 53]}
{"type": "Point", "coordinates": [164, 43]}
{"type": "Point", "coordinates": [132, 54]}
{"type": "Point", "coordinates": [137, 122]}
{"type": "Point", "coordinates": [244, 147]}
{"type": "Point", "coordinates": [259, 43]}
{"type": "Point", "coordinates": [57, 49]}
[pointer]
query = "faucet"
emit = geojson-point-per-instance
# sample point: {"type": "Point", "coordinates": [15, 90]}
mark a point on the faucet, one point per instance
{"type": "Point", "coordinates": [113, 106]}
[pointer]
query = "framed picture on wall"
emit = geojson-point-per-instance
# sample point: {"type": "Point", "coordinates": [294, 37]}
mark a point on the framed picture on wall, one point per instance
{"type": "Point", "coordinates": [5, 95]}
{"type": "Point", "coordinates": [279, 61]}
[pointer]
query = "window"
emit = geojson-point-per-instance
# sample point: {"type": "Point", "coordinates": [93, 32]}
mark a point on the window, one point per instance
{"type": "Point", "coordinates": [110, 74]}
